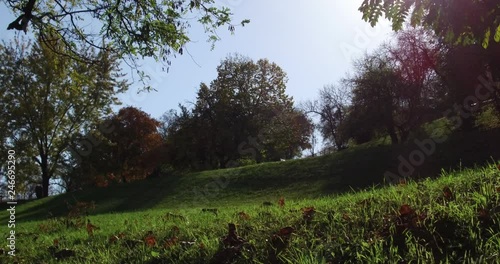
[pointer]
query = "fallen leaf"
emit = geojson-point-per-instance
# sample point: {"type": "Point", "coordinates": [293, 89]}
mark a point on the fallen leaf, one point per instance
{"type": "Point", "coordinates": [150, 240]}
{"type": "Point", "coordinates": [447, 193]}
{"type": "Point", "coordinates": [91, 228]}
{"type": "Point", "coordinates": [405, 210]}
{"type": "Point", "coordinates": [281, 202]}
{"type": "Point", "coordinates": [243, 216]}
{"type": "Point", "coordinates": [346, 217]}
{"type": "Point", "coordinates": [232, 239]}
{"type": "Point", "coordinates": [286, 231]}
{"type": "Point", "coordinates": [308, 213]}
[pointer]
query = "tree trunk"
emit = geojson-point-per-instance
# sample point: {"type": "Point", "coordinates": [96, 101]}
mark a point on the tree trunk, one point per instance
{"type": "Point", "coordinates": [45, 175]}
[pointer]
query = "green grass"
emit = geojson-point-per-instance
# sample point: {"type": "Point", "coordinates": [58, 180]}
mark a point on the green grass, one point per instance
{"type": "Point", "coordinates": [357, 227]}
{"type": "Point", "coordinates": [356, 219]}
{"type": "Point", "coordinates": [359, 167]}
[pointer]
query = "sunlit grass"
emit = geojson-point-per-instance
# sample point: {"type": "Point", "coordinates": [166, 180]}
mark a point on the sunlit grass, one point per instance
{"type": "Point", "coordinates": [357, 227]}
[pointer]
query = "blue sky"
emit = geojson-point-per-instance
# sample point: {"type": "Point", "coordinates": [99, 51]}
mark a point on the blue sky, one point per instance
{"type": "Point", "coordinates": [313, 41]}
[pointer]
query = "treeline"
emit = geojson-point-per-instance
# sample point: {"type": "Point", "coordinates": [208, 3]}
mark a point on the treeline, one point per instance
{"type": "Point", "coordinates": [59, 121]}
{"type": "Point", "coordinates": [413, 79]}
{"type": "Point", "coordinates": [242, 117]}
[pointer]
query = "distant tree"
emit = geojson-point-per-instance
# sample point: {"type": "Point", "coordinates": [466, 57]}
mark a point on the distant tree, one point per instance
{"type": "Point", "coordinates": [331, 107]}
{"type": "Point", "coordinates": [167, 120]}
{"type": "Point", "coordinates": [48, 98]}
{"type": "Point", "coordinates": [128, 29]}
{"type": "Point", "coordinates": [246, 101]}
{"type": "Point", "coordinates": [463, 22]}
{"type": "Point", "coordinates": [134, 140]}
{"type": "Point", "coordinates": [417, 56]}
{"type": "Point", "coordinates": [376, 100]}
{"type": "Point", "coordinates": [287, 135]}
{"type": "Point", "coordinates": [471, 29]}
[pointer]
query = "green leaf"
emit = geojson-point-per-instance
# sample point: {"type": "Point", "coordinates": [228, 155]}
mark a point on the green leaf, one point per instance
{"type": "Point", "coordinates": [486, 40]}
{"type": "Point", "coordinates": [497, 34]}
{"type": "Point", "coordinates": [155, 254]}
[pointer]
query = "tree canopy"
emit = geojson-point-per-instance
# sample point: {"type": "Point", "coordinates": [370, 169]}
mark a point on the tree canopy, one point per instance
{"type": "Point", "coordinates": [47, 99]}
{"type": "Point", "coordinates": [130, 29]}
{"type": "Point", "coordinates": [243, 114]}
{"type": "Point", "coordinates": [457, 21]}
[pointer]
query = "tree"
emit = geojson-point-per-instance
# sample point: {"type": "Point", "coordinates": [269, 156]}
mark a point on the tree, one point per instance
{"type": "Point", "coordinates": [332, 109]}
{"type": "Point", "coordinates": [133, 150]}
{"type": "Point", "coordinates": [129, 29]}
{"type": "Point", "coordinates": [463, 22]}
{"type": "Point", "coordinates": [417, 56]}
{"type": "Point", "coordinates": [243, 114]}
{"type": "Point", "coordinates": [287, 135]}
{"type": "Point", "coordinates": [48, 98]}
{"type": "Point", "coordinates": [377, 97]}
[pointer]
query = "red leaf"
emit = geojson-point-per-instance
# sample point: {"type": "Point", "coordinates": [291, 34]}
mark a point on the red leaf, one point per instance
{"type": "Point", "coordinates": [286, 231]}
{"type": "Point", "coordinates": [405, 210]}
{"type": "Point", "coordinates": [447, 193]}
{"type": "Point", "coordinates": [56, 243]}
{"type": "Point", "coordinates": [281, 202]}
{"type": "Point", "coordinates": [308, 213]}
{"type": "Point", "coordinates": [91, 228]}
{"type": "Point", "coordinates": [150, 240]}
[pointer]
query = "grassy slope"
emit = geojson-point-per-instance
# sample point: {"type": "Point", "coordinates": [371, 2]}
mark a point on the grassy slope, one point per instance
{"type": "Point", "coordinates": [370, 226]}
{"type": "Point", "coordinates": [360, 167]}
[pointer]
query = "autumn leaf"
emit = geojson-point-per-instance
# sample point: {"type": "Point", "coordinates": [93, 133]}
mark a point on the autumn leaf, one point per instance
{"type": "Point", "coordinates": [232, 239]}
{"type": "Point", "coordinates": [150, 240]}
{"type": "Point", "coordinates": [56, 243]}
{"type": "Point", "coordinates": [281, 202]}
{"type": "Point", "coordinates": [91, 228]}
{"type": "Point", "coordinates": [286, 231]}
{"type": "Point", "coordinates": [308, 213]}
{"type": "Point", "coordinates": [447, 193]}
{"type": "Point", "coordinates": [346, 217]}
{"type": "Point", "coordinates": [243, 216]}
{"type": "Point", "coordinates": [405, 210]}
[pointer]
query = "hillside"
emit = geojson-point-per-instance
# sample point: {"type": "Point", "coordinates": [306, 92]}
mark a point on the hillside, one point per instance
{"type": "Point", "coordinates": [359, 167]}
{"type": "Point", "coordinates": [453, 219]}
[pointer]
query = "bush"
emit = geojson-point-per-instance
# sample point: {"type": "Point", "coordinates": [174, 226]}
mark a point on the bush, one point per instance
{"type": "Point", "coordinates": [489, 118]}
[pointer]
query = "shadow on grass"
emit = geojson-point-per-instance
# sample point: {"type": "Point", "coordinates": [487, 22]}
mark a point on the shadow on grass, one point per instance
{"type": "Point", "coordinates": [115, 198]}
{"type": "Point", "coordinates": [355, 168]}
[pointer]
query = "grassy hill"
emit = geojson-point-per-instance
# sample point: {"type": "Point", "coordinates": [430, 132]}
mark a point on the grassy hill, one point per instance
{"type": "Point", "coordinates": [356, 168]}
{"type": "Point", "coordinates": [454, 218]}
